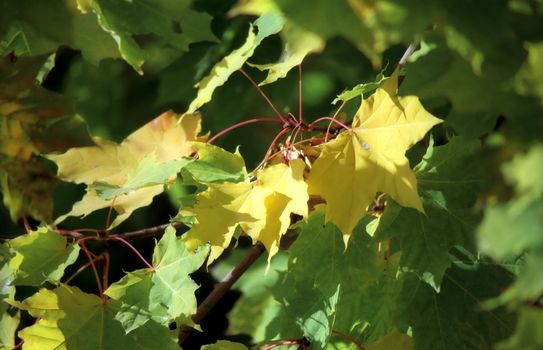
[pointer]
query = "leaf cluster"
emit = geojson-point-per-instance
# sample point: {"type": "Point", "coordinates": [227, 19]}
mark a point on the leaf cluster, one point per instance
{"type": "Point", "coordinates": [397, 196]}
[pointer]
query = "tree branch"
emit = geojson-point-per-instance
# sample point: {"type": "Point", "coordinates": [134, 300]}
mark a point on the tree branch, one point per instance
{"type": "Point", "coordinates": [155, 231]}
{"type": "Point", "coordinates": [411, 49]}
{"type": "Point", "coordinates": [221, 288]}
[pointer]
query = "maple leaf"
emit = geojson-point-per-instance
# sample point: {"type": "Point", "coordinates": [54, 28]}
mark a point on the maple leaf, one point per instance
{"type": "Point", "coordinates": [72, 319]}
{"type": "Point", "coordinates": [41, 256]}
{"type": "Point", "coordinates": [127, 172]}
{"type": "Point", "coordinates": [370, 158]}
{"type": "Point", "coordinates": [163, 293]}
{"type": "Point", "coordinates": [260, 208]}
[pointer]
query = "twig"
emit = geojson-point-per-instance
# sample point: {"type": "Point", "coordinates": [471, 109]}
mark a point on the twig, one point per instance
{"type": "Point", "coordinates": [221, 288]}
{"type": "Point", "coordinates": [408, 52]}
{"type": "Point", "coordinates": [133, 249]}
{"type": "Point", "coordinates": [266, 98]}
{"type": "Point", "coordinates": [82, 268]}
{"type": "Point", "coordinates": [155, 231]}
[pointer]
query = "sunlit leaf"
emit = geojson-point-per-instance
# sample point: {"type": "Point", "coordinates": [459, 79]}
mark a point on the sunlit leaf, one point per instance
{"type": "Point", "coordinates": [70, 318]}
{"type": "Point", "coordinates": [41, 256]}
{"type": "Point", "coordinates": [9, 317]}
{"type": "Point", "coordinates": [298, 43]}
{"type": "Point", "coordinates": [127, 168]}
{"type": "Point", "coordinates": [261, 209]}
{"type": "Point", "coordinates": [370, 158]}
{"type": "Point", "coordinates": [361, 89]}
{"type": "Point", "coordinates": [163, 294]}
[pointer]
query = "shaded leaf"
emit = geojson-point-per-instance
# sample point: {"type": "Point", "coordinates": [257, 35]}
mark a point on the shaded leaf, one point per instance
{"type": "Point", "coordinates": [124, 20]}
{"type": "Point", "coordinates": [33, 120]}
{"type": "Point", "coordinates": [266, 25]}
{"type": "Point", "coordinates": [527, 335]}
{"type": "Point", "coordinates": [438, 322]}
{"type": "Point", "coordinates": [224, 345]}
{"type": "Point", "coordinates": [512, 228]}
{"type": "Point", "coordinates": [449, 177]}
{"type": "Point", "coordinates": [214, 164]}
{"type": "Point", "coordinates": [326, 287]}
{"type": "Point", "coordinates": [393, 340]}
{"type": "Point", "coordinates": [28, 31]}
{"type": "Point", "coordinates": [256, 307]}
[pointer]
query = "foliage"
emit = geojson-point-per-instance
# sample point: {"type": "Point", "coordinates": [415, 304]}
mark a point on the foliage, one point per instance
{"type": "Point", "coordinates": [391, 172]}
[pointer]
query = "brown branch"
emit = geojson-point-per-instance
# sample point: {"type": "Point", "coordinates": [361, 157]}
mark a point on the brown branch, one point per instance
{"type": "Point", "coordinates": [220, 289]}
{"type": "Point", "coordinates": [155, 231]}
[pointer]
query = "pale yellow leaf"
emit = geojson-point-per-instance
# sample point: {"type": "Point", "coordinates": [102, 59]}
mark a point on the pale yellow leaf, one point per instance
{"type": "Point", "coordinates": [370, 158]}
{"type": "Point", "coordinates": [260, 208]}
{"type": "Point", "coordinates": [165, 138]}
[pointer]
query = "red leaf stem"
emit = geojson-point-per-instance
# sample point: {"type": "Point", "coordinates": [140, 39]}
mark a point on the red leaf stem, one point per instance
{"type": "Point", "coordinates": [120, 239]}
{"type": "Point", "coordinates": [242, 123]}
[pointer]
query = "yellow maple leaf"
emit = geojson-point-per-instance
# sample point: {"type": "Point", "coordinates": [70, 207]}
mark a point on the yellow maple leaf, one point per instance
{"type": "Point", "coordinates": [261, 208]}
{"type": "Point", "coordinates": [370, 158]}
{"type": "Point", "coordinates": [165, 138]}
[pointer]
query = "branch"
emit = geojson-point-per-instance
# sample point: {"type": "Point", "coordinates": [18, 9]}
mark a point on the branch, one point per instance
{"type": "Point", "coordinates": [155, 231]}
{"type": "Point", "coordinates": [221, 288]}
{"type": "Point", "coordinates": [411, 49]}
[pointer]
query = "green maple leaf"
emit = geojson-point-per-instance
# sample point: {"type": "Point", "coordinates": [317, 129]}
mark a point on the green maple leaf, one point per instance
{"type": "Point", "coordinates": [162, 294]}
{"type": "Point", "coordinates": [71, 319]}
{"type": "Point", "coordinates": [41, 256]}
{"type": "Point", "coordinates": [449, 178]}
{"type": "Point", "coordinates": [326, 287]}
{"type": "Point", "coordinates": [453, 318]}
